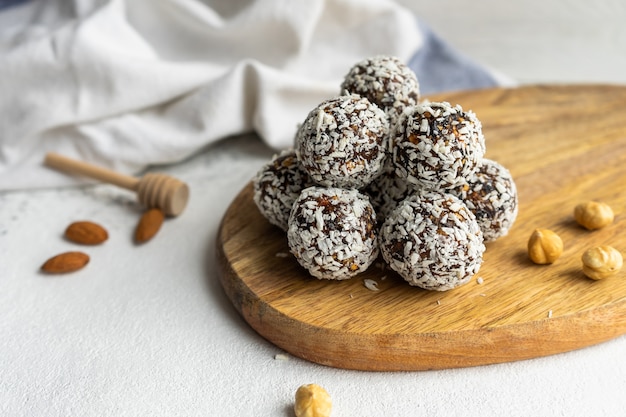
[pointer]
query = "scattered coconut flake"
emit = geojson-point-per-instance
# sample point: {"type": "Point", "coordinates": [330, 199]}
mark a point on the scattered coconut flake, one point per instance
{"type": "Point", "coordinates": [281, 357]}
{"type": "Point", "coordinates": [370, 284]}
{"type": "Point", "coordinates": [384, 277]}
{"type": "Point", "coordinates": [438, 302]}
{"type": "Point", "coordinates": [550, 314]}
{"type": "Point", "coordinates": [480, 280]}
{"type": "Point", "coordinates": [282, 254]}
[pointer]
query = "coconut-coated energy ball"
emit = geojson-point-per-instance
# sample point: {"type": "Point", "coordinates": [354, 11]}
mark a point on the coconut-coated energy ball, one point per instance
{"type": "Point", "coordinates": [332, 232]}
{"type": "Point", "coordinates": [277, 185]}
{"type": "Point", "coordinates": [437, 146]}
{"type": "Point", "coordinates": [386, 82]}
{"type": "Point", "coordinates": [491, 195]}
{"type": "Point", "coordinates": [387, 191]}
{"type": "Point", "coordinates": [433, 241]}
{"type": "Point", "coordinates": [342, 142]}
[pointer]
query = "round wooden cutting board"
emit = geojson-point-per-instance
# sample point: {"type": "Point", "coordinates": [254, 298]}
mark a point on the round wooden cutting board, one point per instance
{"type": "Point", "coordinates": [563, 145]}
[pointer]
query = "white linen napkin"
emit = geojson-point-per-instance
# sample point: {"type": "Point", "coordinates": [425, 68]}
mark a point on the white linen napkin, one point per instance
{"type": "Point", "coordinates": [129, 84]}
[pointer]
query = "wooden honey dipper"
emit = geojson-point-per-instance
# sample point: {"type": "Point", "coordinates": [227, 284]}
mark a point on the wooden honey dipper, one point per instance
{"type": "Point", "coordinates": [153, 189]}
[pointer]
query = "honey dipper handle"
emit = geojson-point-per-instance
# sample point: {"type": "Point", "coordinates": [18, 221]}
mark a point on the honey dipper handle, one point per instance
{"type": "Point", "coordinates": [72, 166]}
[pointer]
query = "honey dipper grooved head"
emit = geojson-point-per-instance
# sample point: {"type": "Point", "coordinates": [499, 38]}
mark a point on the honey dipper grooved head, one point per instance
{"type": "Point", "coordinates": [164, 192]}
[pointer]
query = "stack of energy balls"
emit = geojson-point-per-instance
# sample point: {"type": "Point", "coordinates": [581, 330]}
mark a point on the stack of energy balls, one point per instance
{"type": "Point", "coordinates": [374, 171]}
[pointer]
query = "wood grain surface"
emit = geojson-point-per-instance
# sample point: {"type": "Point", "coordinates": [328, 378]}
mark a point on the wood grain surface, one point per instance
{"type": "Point", "coordinates": [563, 145]}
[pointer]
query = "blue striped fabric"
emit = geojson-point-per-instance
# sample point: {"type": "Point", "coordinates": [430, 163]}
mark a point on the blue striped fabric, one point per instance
{"type": "Point", "coordinates": [8, 3]}
{"type": "Point", "coordinates": [439, 67]}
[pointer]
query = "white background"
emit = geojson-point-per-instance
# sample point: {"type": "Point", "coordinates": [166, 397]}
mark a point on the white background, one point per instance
{"type": "Point", "coordinates": [536, 40]}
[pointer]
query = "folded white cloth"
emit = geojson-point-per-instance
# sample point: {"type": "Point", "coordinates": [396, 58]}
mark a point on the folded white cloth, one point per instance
{"type": "Point", "coordinates": [128, 84]}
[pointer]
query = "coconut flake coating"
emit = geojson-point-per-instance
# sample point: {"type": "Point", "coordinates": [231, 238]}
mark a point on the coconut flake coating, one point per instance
{"type": "Point", "coordinates": [387, 191]}
{"type": "Point", "coordinates": [433, 241]}
{"type": "Point", "coordinates": [437, 146]}
{"type": "Point", "coordinates": [277, 185]}
{"type": "Point", "coordinates": [491, 195]}
{"type": "Point", "coordinates": [332, 232]}
{"type": "Point", "coordinates": [386, 82]}
{"type": "Point", "coordinates": [342, 142]}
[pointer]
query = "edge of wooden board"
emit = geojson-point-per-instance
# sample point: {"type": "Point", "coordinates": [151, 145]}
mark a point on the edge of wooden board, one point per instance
{"type": "Point", "coordinates": [420, 351]}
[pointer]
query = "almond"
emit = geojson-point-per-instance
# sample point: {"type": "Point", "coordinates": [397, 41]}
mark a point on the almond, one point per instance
{"type": "Point", "coordinates": [86, 233]}
{"type": "Point", "coordinates": [149, 225]}
{"type": "Point", "coordinates": [65, 262]}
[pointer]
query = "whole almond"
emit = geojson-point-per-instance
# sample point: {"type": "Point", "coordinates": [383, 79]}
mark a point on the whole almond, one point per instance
{"type": "Point", "coordinates": [65, 262]}
{"type": "Point", "coordinates": [149, 225]}
{"type": "Point", "coordinates": [86, 233]}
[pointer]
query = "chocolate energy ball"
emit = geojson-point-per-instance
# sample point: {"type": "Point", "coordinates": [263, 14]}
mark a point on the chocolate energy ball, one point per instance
{"type": "Point", "coordinates": [387, 191]}
{"type": "Point", "coordinates": [437, 146]}
{"type": "Point", "coordinates": [332, 232]}
{"type": "Point", "coordinates": [342, 142]}
{"type": "Point", "coordinates": [491, 195]}
{"type": "Point", "coordinates": [433, 241]}
{"type": "Point", "coordinates": [277, 185]}
{"type": "Point", "coordinates": [386, 82]}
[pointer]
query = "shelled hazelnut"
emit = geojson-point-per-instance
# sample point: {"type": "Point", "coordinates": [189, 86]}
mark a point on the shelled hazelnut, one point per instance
{"type": "Point", "coordinates": [601, 262]}
{"type": "Point", "coordinates": [544, 246]}
{"type": "Point", "coordinates": [593, 215]}
{"type": "Point", "coordinates": [312, 401]}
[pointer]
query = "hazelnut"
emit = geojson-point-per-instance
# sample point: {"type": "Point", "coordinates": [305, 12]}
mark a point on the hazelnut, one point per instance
{"type": "Point", "coordinates": [601, 262]}
{"type": "Point", "coordinates": [544, 246]}
{"type": "Point", "coordinates": [312, 401]}
{"type": "Point", "coordinates": [593, 215]}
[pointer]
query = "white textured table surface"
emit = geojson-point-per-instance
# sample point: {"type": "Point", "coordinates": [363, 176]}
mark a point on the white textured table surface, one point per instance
{"type": "Point", "coordinates": [147, 330]}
